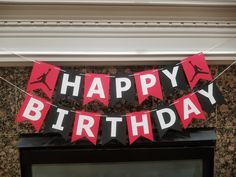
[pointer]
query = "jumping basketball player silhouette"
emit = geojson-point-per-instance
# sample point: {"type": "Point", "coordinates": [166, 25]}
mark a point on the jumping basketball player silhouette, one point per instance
{"type": "Point", "coordinates": [42, 79]}
{"type": "Point", "coordinates": [197, 71]}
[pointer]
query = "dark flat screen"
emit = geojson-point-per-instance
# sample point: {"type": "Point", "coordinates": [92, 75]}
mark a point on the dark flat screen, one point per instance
{"type": "Point", "coordinates": [173, 168]}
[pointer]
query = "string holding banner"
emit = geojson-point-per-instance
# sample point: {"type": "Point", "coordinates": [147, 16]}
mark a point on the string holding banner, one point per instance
{"type": "Point", "coordinates": [65, 71]}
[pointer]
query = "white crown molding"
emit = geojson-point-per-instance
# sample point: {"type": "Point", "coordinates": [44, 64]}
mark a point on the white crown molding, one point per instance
{"type": "Point", "coordinates": [116, 41]}
{"type": "Point", "coordinates": [102, 60]}
{"type": "Point", "coordinates": [108, 34]}
{"type": "Point", "coordinates": [98, 12]}
{"type": "Point", "coordinates": [127, 2]}
{"type": "Point", "coordinates": [115, 28]}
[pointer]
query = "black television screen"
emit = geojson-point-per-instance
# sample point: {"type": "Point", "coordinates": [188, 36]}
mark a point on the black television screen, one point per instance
{"type": "Point", "coordinates": [190, 155]}
{"type": "Point", "coordinates": [176, 168]}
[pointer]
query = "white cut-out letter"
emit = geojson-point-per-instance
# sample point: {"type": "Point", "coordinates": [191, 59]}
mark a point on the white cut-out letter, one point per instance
{"type": "Point", "coordinates": [119, 88]}
{"type": "Point", "coordinates": [172, 76]}
{"type": "Point", "coordinates": [96, 88]}
{"type": "Point", "coordinates": [189, 108]}
{"type": "Point", "coordinates": [114, 121]}
{"type": "Point", "coordinates": [33, 109]}
{"type": "Point", "coordinates": [86, 127]}
{"type": "Point", "coordinates": [209, 93]}
{"type": "Point", "coordinates": [60, 118]}
{"type": "Point", "coordinates": [65, 84]}
{"type": "Point", "coordinates": [147, 81]}
{"type": "Point", "coordinates": [161, 119]}
{"type": "Point", "coordinates": [143, 123]}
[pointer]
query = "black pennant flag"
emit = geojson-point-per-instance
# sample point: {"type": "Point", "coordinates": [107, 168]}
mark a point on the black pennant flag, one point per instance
{"type": "Point", "coordinates": [173, 77]}
{"type": "Point", "coordinates": [122, 88]}
{"type": "Point", "coordinates": [70, 85]}
{"type": "Point", "coordinates": [59, 121]}
{"type": "Point", "coordinates": [114, 128]}
{"type": "Point", "coordinates": [210, 95]}
{"type": "Point", "coordinates": [166, 118]}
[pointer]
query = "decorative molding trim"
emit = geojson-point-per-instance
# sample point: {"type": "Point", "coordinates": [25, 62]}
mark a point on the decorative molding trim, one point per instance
{"type": "Point", "coordinates": [99, 12]}
{"type": "Point", "coordinates": [103, 32]}
{"type": "Point", "coordinates": [101, 60]}
{"type": "Point", "coordinates": [116, 23]}
{"type": "Point", "coordinates": [126, 2]}
{"type": "Point", "coordinates": [115, 28]}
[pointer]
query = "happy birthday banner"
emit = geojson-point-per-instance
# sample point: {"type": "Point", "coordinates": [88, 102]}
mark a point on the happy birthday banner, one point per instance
{"type": "Point", "coordinates": [109, 90]}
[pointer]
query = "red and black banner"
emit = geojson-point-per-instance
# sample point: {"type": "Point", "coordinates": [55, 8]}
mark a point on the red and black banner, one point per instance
{"type": "Point", "coordinates": [121, 88]}
{"type": "Point", "coordinates": [139, 125]}
{"type": "Point", "coordinates": [196, 68]}
{"type": "Point", "coordinates": [33, 109]}
{"type": "Point", "coordinates": [86, 125]}
{"type": "Point", "coordinates": [96, 87]}
{"type": "Point", "coordinates": [60, 121]}
{"type": "Point", "coordinates": [114, 129]}
{"type": "Point", "coordinates": [166, 118]}
{"type": "Point", "coordinates": [44, 77]}
{"type": "Point", "coordinates": [148, 84]}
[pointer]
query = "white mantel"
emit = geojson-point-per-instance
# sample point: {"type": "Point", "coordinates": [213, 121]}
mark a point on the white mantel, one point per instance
{"type": "Point", "coordinates": [121, 32]}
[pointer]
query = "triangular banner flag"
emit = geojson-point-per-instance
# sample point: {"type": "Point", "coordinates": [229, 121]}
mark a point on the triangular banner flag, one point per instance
{"type": "Point", "coordinates": [148, 84]}
{"type": "Point", "coordinates": [139, 124]}
{"type": "Point", "coordinates": [59, 121]}
{"type": "Point", "coordinates": [209, 96]}
{"type": "Point", "coordinates": [196, 68]}
{"type": "Point", "coordinates": [70, 85]}
{"type": "Point", "coordinates": [166, 118]}
{"type": "Point", "coordinates": [86, 125]}
{"type": "Point", "coordinates": [96, 87]}
{"type": "Point", "coordinates": [188, 108]}
{"type": "Point", "coordinates": [34, 110]}
{"type": "Point", "coordinates": [173, 77]}
{"type": "Point", "coordinates": [43, 76]}
{"type": "Point", "coordinates": [114, 128]}
{"type": "Point", "coordinates": [122, 88]}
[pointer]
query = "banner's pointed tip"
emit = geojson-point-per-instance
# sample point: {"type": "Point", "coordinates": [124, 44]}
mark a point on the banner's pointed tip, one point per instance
{"type": "Point", "coordinates": [162, 133]}
{"type": "Point", "coordinates": [84, 103]}
{"type": "Point", "coordinates": [37, 129]}
{"type": "Point", "coordinates": [131, 141]}
{"type": "Point", "coordinates": [73, 139]}
{"type": "Point", "coordinates": [94, 142]}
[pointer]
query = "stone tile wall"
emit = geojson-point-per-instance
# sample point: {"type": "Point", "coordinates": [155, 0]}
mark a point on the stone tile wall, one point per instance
{"type": "Point", "coordinates": [223, 118]}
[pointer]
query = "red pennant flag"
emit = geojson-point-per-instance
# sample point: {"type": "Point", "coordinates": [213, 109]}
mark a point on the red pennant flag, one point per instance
{"type": "Point", "coordinates": [148, 84]}
{"type": "Point", "coordinates": [43, 76]}
{"type": "Point", "coordinates": [188, 107]}
{"type": "Point", "coordinates": [34, 109]}
{"type": "Point", "coordinates": [196, 68]}
{"type": "Point", "coordinates": [96, 86]}
{"type": "Point", "coordinates": [139, 124]}
{"type": "Point", "coordinates": [86, 125]}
